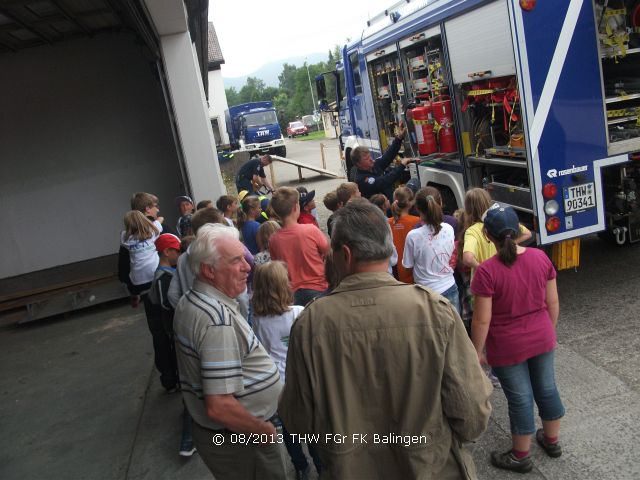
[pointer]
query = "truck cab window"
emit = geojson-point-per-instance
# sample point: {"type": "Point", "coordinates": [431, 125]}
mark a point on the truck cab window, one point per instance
{"type": "Point", "coordinates": [343, 89]}
{"type": "Point", "coordinates": [355, 68]}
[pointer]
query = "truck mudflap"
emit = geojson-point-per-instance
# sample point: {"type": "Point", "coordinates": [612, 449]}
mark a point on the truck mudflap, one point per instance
{"type": "Point", "coordinates": [566, 254]}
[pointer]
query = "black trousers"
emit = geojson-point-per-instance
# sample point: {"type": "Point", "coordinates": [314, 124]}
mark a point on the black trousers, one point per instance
{"type": "Point", "coordinates": [164, 350]}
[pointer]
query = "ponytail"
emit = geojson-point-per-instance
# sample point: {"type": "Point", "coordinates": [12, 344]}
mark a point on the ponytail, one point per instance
{"type": "Point", "coordinates": [430, 210]}
{"type": "Point", "coordinates": [138, 226]}
{"type": "Point", "coordinates": [507, 251]}
{"type": "Point", "coordinates": [402, 197]}
{"type": "Point", "coordinates": [247, 204]}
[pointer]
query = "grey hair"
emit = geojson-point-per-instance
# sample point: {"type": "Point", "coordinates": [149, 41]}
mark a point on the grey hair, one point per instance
{"type": "Point", "coordinates": [364, 229]}
{"type": "Point", "coordinates": [204, 249]}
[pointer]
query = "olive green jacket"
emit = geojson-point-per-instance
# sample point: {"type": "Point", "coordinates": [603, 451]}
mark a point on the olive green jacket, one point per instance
{"type": "Point", "coordinates": [387, 360]}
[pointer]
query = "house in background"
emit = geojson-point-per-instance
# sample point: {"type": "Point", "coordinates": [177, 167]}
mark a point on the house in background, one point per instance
{"type": "Point", "coordinates": [330, 122]}
{"type": "Point", "coordinates": [217, 96]}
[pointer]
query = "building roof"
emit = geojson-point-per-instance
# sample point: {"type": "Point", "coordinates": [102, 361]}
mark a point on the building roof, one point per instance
{"type": "Point", "coordinates": [215, 53]}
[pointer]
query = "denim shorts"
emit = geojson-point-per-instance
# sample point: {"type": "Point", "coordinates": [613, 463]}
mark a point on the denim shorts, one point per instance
{"type": "Point", "coordinates": [525, 382]}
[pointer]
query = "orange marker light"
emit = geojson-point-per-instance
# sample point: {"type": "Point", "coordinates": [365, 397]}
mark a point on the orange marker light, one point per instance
{"type": "Point", "coordinates": [527, 5]}
{"type": "Point", "coordinates": [553, 224]}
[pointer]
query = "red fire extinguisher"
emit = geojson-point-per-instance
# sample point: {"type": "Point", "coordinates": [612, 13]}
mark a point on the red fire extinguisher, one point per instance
{"type": "Point", "coordinates": [424, 130]}
{"type": "Point", "coordinates": [447, 137]}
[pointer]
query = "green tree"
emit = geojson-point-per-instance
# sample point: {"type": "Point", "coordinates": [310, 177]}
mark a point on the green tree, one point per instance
{"type": "Point", "coordinates": [270, 93]}
{"type": "Point", "coordinates": [287, 79]}
{"type": "Point", "coordinates": [252, 91]}
{"type": "Point", "coordinates": [232, 96]}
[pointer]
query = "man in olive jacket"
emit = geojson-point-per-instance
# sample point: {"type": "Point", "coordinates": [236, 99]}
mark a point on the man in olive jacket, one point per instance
{"type": "Point", "coordinates": [382, 373]}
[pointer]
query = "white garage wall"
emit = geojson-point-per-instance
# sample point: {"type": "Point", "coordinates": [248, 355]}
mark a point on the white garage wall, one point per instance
{"type": "Point", "coordinates": [83, 125]}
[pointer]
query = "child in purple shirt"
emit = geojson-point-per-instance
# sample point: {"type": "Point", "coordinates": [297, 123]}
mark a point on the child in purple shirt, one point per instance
{"type": "Point", "coordinates": [515, 316]}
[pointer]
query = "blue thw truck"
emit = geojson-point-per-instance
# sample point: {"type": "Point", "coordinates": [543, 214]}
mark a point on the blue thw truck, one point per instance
{"type": "Point", "coordinates": [536, 101]}
{"type": "Point", "coordinates": [253, 127]}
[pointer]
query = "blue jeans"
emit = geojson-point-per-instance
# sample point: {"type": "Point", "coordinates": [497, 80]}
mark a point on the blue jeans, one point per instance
{"type": "Point", "coordinates": [522, 383]}
{"type": "Point", "coordinates": [452, 295]}
{"type": "Point", "coordinates": [298, 458]}
{"type": "Point", "coordinates": [186, 439]}
{"type": "Point", "coordinates": [302, 296]}
{"type": "Point", "coordinates": [244, 184]}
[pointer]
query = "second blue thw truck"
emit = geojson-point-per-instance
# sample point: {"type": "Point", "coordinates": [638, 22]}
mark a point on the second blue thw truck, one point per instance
{"type": "Point", "coordinates": [538, 102]}
{"type": "Point", "coordinates": [253, 127]}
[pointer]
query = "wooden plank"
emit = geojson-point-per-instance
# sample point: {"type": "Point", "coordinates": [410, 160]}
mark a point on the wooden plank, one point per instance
{"type": "Point", "coordinates": [322, 171]}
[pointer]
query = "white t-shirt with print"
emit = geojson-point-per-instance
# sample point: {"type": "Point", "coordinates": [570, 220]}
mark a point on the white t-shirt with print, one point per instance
{"type": "Point", "coordinates": [273, 331]}
{"type": "Point", "coordinates": [429, 256]}
{"type": "Point", "coordinates": [143, 256]}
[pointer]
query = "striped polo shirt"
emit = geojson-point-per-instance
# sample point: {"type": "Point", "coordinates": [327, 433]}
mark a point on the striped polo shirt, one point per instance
{"type": "Point", "coordinates": [219, 354]}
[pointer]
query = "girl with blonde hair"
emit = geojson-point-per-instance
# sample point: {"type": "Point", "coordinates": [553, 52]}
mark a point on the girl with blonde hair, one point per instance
{"type": "Point", "coordinates": [476, 246]}
{"type": "Point", "coordinates": [273, 317]}
{"type": "Point", "coordinates": [138, 237]}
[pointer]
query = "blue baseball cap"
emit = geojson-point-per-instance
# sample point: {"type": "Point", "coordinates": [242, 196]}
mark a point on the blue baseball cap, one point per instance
{"type": "Point", "coordinates": [499, 219]}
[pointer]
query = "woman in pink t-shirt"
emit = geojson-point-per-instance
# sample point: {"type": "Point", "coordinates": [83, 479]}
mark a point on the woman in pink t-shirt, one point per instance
{"type": "Point", "coordinates": [515, 316]}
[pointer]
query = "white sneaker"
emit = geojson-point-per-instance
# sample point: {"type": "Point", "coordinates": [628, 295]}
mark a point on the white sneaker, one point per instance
{"type": "Point", "coordinates": [187, 452]}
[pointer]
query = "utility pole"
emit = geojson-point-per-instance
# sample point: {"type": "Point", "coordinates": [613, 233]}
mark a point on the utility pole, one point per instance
{"type": "Point", "coordinates": [313, 100]}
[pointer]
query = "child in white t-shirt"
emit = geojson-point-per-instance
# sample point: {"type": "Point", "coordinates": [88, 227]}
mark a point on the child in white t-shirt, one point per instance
{"type": "Point", "coordinates": [428, 250]}
{"type": "Point", "coordinates": [273, 312]}
{"type": "Point", "coordinates": [138, 238]}
{"type": "Point", "coordinates": [273, 316]}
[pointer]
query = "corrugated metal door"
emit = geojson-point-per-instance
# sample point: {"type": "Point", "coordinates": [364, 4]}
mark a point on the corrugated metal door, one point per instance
{"type": "Point", "coordinates": [480, 41]}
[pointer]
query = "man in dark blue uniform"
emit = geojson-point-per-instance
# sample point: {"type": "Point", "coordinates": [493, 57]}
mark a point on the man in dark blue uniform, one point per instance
{"type": "Point", "coordinates": [372, 176]}
{"type": "Point", "coordinates": [252, 173]}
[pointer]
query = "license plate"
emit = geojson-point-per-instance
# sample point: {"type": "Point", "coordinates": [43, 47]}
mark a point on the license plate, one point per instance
{"type": "Point", "coordinates": [579, 197]}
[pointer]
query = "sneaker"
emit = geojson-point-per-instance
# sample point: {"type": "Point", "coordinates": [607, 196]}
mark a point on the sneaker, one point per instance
{"type": "Point", "coordinates": [554, 450]}
{"type": "Point", "coordinates": [187, 450]}
{"type": "Point", "coordinates": [170, 390]}
{"type": "Point", "coordinates": [507, 461]}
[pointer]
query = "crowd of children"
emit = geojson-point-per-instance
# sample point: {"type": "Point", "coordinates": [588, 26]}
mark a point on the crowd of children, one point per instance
{"type": "Point", "coordinates": [291, 262]}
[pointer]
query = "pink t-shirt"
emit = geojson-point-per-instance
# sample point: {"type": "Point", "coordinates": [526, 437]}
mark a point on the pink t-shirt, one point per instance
{"type": "Point", "coordinates": [520, 324]}
{"type": "Point", "coordinates": [302, 248]}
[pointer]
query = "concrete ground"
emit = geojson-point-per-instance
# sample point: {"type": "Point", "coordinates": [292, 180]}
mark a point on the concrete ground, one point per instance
{"type": "Point", "coordinates": [80, 398]}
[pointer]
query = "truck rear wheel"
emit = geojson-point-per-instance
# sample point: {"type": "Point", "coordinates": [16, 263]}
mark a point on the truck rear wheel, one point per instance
{"type": "Point", "coordinates": [450, 204]}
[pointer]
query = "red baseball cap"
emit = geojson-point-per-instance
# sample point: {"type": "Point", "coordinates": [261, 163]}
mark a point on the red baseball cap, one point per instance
{"type": "Point", "coordinates": [167, 240]}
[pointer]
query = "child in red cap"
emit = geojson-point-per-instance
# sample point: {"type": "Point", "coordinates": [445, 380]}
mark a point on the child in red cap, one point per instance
{"type": "Point", "coordinates": [161, 322]}
{"type": "Point", "coordinates": [168, 247]}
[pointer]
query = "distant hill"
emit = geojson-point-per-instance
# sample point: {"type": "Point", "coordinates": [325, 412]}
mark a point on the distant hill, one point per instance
{"type": "Point", "coordinates": [269, 73]}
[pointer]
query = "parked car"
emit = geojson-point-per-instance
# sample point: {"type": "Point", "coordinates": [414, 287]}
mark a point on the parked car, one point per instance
{"type": "Point", "coordinates": [296, 128]}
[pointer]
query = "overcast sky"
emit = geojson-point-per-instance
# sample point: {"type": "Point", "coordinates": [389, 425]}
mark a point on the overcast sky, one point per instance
{"type": "Point", "coordinates": [253, 32]}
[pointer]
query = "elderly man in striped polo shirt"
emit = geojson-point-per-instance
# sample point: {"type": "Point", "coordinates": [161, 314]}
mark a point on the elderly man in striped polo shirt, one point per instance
{"type": "Point", "coordinates": [229, 383]}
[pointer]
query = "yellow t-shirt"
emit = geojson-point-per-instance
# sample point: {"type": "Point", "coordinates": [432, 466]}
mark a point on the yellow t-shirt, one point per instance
{"type": "Point", "coordinates": [477, 243]}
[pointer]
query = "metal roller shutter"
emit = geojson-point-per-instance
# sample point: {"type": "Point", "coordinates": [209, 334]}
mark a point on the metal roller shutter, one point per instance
{"type": "Point", "coordinates": [479, 41]}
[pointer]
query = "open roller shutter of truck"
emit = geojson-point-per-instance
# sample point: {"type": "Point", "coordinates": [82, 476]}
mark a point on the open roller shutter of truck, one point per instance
{"type": "Point", "coordinates": [481, 40]}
